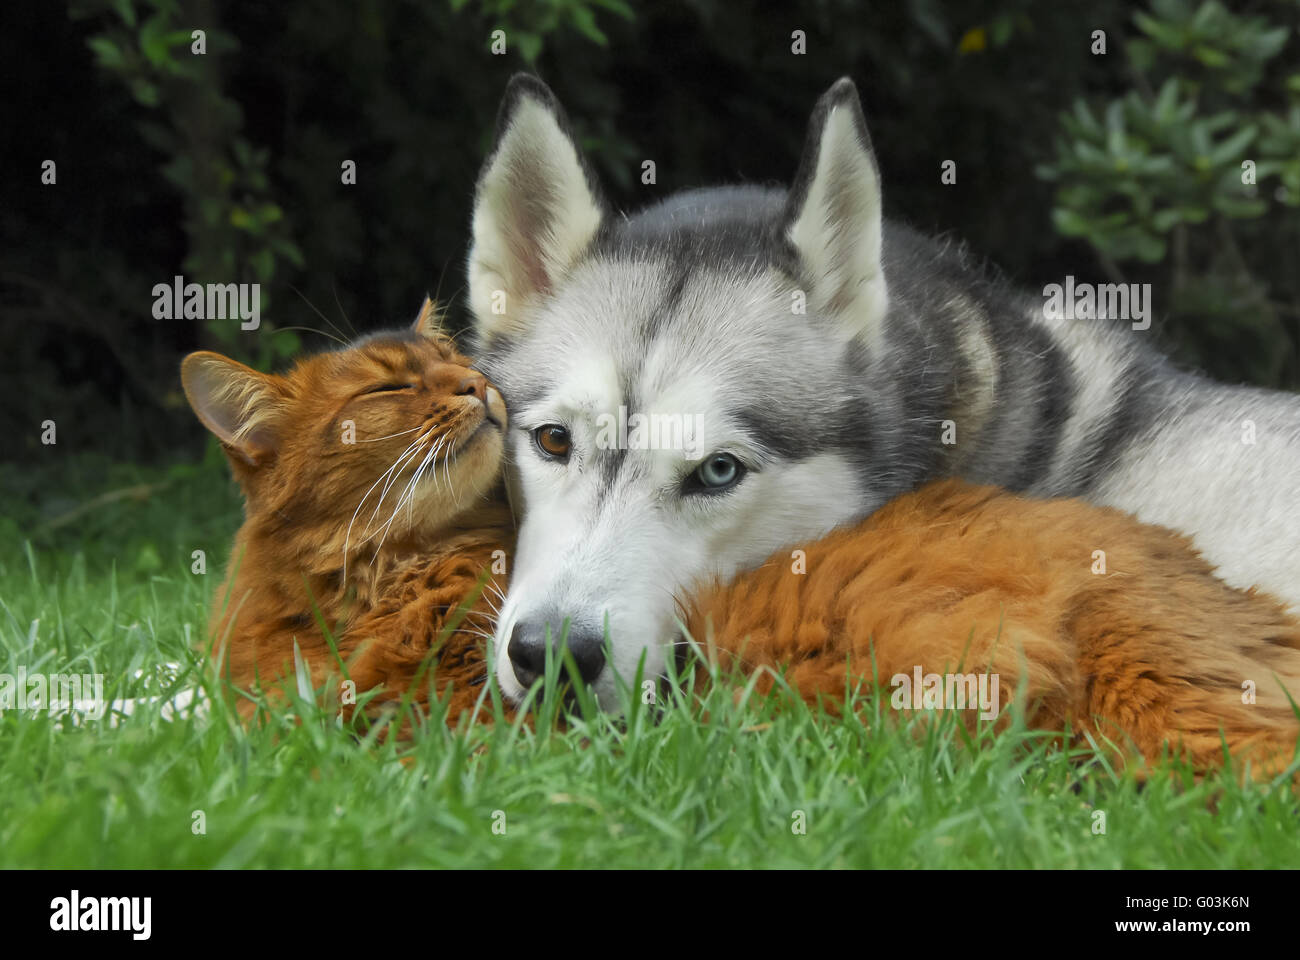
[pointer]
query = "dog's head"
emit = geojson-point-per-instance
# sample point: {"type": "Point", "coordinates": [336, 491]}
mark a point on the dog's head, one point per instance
{"type": "Point", "coordinates": [687, 387]}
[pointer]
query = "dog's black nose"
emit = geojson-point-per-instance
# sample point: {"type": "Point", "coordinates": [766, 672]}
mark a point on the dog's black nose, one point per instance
{"type": "Point", "coordinates": [528, 652]}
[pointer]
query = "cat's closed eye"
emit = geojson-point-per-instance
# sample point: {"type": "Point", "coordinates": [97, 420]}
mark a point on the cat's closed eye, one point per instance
{"type": "Point", "coordinates": [387, 388]}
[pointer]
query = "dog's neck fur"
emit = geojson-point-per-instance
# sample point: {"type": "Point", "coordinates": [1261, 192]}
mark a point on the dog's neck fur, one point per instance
{"type": "Point", "coordinates": [981, 385]}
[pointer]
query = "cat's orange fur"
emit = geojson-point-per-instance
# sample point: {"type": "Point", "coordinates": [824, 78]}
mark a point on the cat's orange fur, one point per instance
{"type": "Point", "coordinates": [963, 579]}
{"type": "Point", "coordinates": [326, 525]}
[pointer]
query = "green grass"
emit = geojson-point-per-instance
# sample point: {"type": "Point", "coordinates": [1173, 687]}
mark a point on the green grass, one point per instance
{"type": "Point", "coordinates": [111, 591]}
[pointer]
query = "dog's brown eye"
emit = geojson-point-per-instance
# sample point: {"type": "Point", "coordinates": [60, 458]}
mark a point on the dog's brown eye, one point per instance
{"type": "Point", "coordinates": [553, 440]}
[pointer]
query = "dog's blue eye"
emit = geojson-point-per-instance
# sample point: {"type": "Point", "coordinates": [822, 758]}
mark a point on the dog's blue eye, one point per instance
{"type": "Point", "coordinates": [719, 472]}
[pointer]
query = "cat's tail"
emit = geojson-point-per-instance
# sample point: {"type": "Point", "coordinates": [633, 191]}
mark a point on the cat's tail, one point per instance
{"type": "Point", "coordinates": [1204, 671]}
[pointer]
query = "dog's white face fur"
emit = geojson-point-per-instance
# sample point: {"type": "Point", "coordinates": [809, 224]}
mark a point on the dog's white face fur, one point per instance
{"type": "Point", "coordinates": [579, 313]}
{"type": "Point", "coordinates": [611, 535]}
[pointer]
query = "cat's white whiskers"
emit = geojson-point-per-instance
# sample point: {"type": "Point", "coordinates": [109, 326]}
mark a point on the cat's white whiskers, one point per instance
{"type": "Point", "coordinates": [391, 435]}
{"type": "Point", "coordinates": [401, 500]}
{"type": "Point", "coordinates": [410, 454]}
{"type": "Point", "coordinates": [491, 605]}
{"type": "Point", "coordinates": [348, 536]}
{"type": "Point", "coordinates": [446, 468]}
{"type": "Point", "coordinates": [347, 539]}
{"type": "Point", "coordinates": [433, 461]}
{"type": "Point", "coordinates": [409, 495]}
{"type": "Point", "coordinates": [442, 442]}
{"type": "Point", "coordinates": [392, 473]}
{"type": "Point", "coordinates": [383, 495]}
{"type": "Point", "coordinates": [409, 491]}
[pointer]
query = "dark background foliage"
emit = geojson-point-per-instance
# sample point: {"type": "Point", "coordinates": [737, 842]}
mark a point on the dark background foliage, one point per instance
{"type": "Point", "coordinates": [226, 166]}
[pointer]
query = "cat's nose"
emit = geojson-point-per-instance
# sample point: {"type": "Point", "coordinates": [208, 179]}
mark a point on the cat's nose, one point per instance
{"type": "Point", "coordinates": [527, 651]}
{"type": "Point", "coordinates": [475, 385]}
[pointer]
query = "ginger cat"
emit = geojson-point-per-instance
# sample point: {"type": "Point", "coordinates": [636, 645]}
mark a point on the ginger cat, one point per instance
{"type": "Point", "coordinates": [955, 578]}
{"type": "Point", "coordinates": [371, 478]}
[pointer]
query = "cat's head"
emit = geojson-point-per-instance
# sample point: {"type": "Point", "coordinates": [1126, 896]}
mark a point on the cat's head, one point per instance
{"type": "Point", "coordinates": [389, 438]}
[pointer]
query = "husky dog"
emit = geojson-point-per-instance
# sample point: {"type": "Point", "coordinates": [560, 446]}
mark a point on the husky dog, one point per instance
{"type": "Point", "coordinates": [832, 361]}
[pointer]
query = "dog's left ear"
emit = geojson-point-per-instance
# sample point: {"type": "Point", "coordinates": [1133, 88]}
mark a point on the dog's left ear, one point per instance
{"type": "Point", "coordinates": [833, 215]}
{"type": "Point", "coordinates": [536, 210]}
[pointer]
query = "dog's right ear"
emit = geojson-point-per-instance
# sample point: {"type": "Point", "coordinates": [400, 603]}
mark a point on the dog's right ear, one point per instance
{"type": "Point", "coordinates": [536, 210]}
{"type": "Point", "coordinates": [237, 403]}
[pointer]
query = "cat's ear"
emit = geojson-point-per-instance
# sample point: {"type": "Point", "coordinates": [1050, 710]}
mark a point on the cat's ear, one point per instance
{"type": "Point", "coordinates": [237, 403]}
{"type": "Point", "coordinates": [536, 210]}
{"type": "Point", "coordinates": [428, 322]}
{"type": "Point", "coordinates": [833, 214]}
